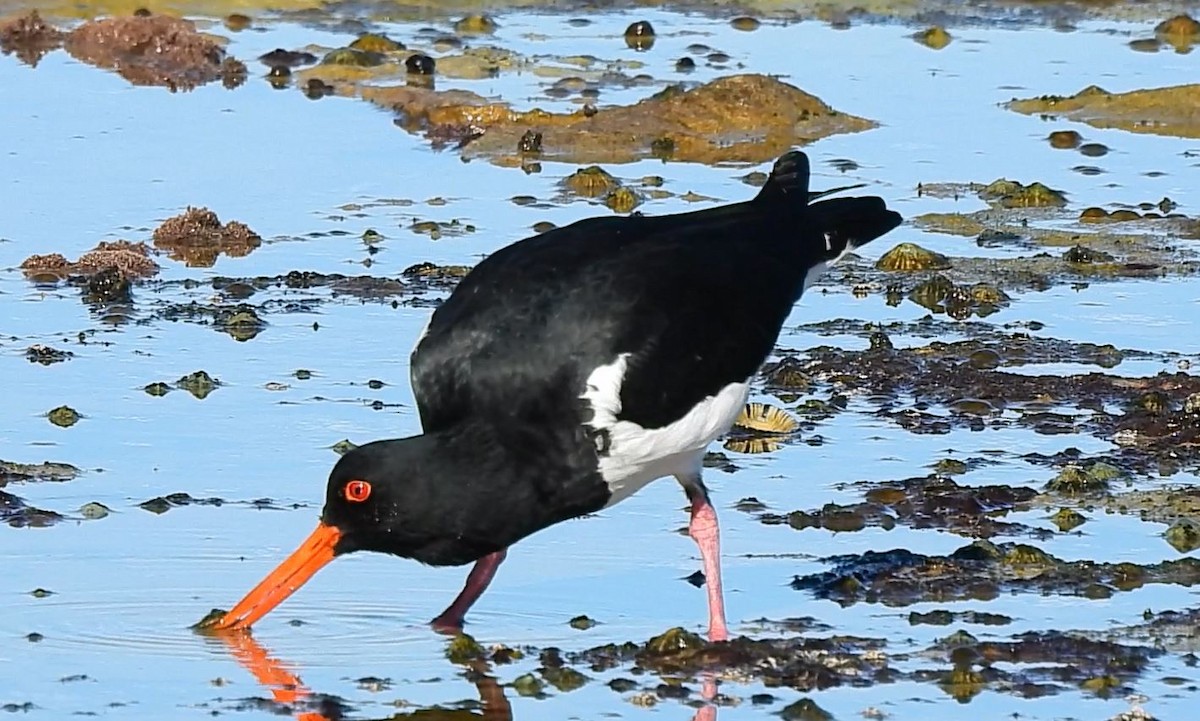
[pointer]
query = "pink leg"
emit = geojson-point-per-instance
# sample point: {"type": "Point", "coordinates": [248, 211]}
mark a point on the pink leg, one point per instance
{"type": "Point", "coordinates": [451, 620]}
{"type": "Point", "coordinates": [704, 531]}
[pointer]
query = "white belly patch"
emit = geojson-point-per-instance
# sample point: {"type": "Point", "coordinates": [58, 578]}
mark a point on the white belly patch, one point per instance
{"type": "Point", "coordinates": [636, 455]}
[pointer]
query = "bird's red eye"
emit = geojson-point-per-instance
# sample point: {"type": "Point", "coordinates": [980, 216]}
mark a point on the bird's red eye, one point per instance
{"type": "Point", "coordinates": [358, 491]}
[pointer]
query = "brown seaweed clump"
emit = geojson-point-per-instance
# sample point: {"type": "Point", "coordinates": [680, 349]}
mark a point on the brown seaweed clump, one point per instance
{"type": "Point", "coordinates": [130, 260]}
{"type": "Point", "coordinates": [197, 237]}
{"type": "Point", "coordinates": [29, 37]}
{"type": "Point", "coordinates": [150, 50]}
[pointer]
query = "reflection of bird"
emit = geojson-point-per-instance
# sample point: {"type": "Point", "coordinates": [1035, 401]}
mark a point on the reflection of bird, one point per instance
{"type": "Point", "coordinates": [572, 368]}
{"type": "Point", "coordinates": [287, 688]}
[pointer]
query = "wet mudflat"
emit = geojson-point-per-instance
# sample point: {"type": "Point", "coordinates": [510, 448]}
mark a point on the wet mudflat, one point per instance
{"type": "Point", "coordinates": [971, 487]}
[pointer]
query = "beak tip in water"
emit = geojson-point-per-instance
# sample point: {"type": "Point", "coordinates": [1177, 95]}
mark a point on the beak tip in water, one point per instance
{"type": "Point", "coordinates": [296, 569]}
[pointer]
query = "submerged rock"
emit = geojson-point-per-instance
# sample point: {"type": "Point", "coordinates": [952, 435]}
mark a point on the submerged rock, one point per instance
{"type": "Point", "coordinates": [13, 472]}
{"type": "Point", "coordinates": [926, 502]}
{"type": "Point", "coordinates": [475, 24]}
{"type": "Point", "coordinates": [63, 416]}
{"type": "Point", "coordinates": [1065, 139]}
{"type": "Point", "coordinates": [1181, 32]}
{"type": "Point", "coordinates": [934, 37]}
{"type": "Point", "coordinates": [982, 571]}
{"type": "Point", "coordinates": [45, 355]}
{"type": "Point", "coordinates": [1012, 194]}
{"type": "Point", "coordinates": [199, 384]}
{"type": "Point", "coordinates": [640, 35]}
{"type": "Point", "coordinates": [1184, 535]}
{"type": "Point", "coordinates": [1173, 111]}
{"type": "Point", "coordinates": [744, 118]}
{"type": "Point", "coordinates": [353, 57]}
{"type": "Point", "coordinates": [591, 182]}
{"type": "Point", "coordinates": [376, 43]}
{"type": "Point", "coordinates": [18, 514]}
{"type": "Point", "coordinates": [1076, 481]}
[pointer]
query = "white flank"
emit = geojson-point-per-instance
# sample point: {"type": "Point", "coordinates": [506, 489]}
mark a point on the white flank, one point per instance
{"type": "Point", "coordinates": [814, 273]}
{"type": "Point", "coordinates": [819, 269]}
{"type": "Point", "coordinates": [636, 455]}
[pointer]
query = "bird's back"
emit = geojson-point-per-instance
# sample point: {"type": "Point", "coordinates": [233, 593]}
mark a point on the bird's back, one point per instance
{"type": "Point", "coordinates": [696, 300]}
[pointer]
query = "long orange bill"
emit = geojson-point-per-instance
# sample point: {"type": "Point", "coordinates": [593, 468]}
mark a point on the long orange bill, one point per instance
{"type": "Point", "coordinates": [310, 557]}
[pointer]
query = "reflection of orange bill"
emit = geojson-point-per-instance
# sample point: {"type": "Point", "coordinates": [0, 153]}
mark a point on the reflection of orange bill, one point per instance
{"type": "Point", "coordinates": [284, 685]}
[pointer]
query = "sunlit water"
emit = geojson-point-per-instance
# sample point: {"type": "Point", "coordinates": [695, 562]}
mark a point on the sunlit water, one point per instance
{"type": "Point", "coordinates": [87, 157]}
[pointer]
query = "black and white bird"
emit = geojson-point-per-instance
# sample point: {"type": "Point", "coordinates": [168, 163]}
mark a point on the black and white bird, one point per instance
{"type": "Point", "coordinates": [570, 369]}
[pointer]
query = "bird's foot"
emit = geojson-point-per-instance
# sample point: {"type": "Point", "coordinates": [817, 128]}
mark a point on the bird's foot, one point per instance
{"type": "Point", "coordinates": [447, 624]}
{"type": "Point", "coordinates": [450, 621]}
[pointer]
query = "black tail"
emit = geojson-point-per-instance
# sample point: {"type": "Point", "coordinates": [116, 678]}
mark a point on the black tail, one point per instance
{"type": "Point", "coordinates": [845, 224]}
{"type": "Point", "coordinates": [837, 224]}
{"type": "Point", "coordinates": [788, 181]}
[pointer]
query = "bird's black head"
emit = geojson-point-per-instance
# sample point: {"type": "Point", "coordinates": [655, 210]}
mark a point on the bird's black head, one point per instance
{"type": "Point", "coordinates": [378, 497]}
{"type": "Point", "coordinates": [381, 497]}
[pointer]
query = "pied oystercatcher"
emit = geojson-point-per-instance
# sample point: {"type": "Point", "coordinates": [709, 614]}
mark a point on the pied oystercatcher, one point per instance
{"type": "Point", "coordinates": [568, 370]}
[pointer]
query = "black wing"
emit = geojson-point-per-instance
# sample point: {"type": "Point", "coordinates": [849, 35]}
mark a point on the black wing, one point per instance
{"type": "Point", "coordinates": [696, 300]}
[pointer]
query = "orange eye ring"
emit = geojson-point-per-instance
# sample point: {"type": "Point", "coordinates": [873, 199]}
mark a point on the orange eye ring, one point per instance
{"type": "Point", "coordinates": [357, 491]}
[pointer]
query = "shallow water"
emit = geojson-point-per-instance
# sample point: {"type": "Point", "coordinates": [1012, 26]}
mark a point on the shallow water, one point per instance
{"type": "Point", "coordinates": [126, 587]}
